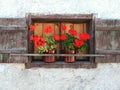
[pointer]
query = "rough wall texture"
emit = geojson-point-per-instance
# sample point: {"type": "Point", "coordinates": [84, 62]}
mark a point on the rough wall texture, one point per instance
{"type": "Point", "coordinates": [104, 77]}
{"type": "Point", "coordinates": [18, 8]}
{"type": "Point", "coordinates": [15, 77]}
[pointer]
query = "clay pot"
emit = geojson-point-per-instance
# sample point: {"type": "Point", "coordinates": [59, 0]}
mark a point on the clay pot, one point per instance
{"type": "Point", "coordinates": [70, 58]}
{"type": "Point", "coordinates": [50, 59]}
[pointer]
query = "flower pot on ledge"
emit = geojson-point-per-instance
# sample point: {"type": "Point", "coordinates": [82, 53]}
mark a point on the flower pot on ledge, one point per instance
{"type": "Point", "coordinates": [50, 59]}
{"type": "Point", "coordinates": [70, 59]}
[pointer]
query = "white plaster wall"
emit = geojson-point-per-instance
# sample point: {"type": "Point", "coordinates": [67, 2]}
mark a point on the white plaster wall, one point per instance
{"type": "Point", "coordinates": [103, 8]}
{"type": "Point", "coordinates": [15, 77]}
{"type": "Point", "coordinates": [104, 77]}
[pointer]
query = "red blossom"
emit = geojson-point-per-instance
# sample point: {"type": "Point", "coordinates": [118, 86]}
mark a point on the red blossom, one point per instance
{"type": "Point", "coordinates": [63, 37]}
{"type": "Point", "coordinates": [48, 29]}
{"type": "Point", "coordinates": [63, 27]}
{"type": "Point", "coordinates": [32, 27]}
{"type": "Point", "coordinates": [31, 37]}
{"type": "Point", "coordinates": [40, 41]}
{"type": "Point", "coordinates": [84, 36]}
{"type": "Point", "coordinates": [73, 32]}
{"type": "Point", "coordinates": [78, 43]}
{"type": "Point", "coordinates": [36, 37]}
{"type": "Point", "coordinates": [56, 37]}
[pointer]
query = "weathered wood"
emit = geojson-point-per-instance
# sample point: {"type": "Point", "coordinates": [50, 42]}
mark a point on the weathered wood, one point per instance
{"type": "Point", "coordinates": [13, 50]}
{"type": "Point", "coordinates": [117, 58]}
{"type": "Point", "coordinates": [13, 22]}
{"type": "Point", "coordinates": [17, 59]}
{"type": "Point", "coordinates": [107, 40]}
{"type": "Point", "coordinates": [114, 52]}
{"type": "Point", "coordinates": [78, 64]}
{"type": "Point", "coordinates": [107, 23]}
{"type": "Point", "coordinates": [13, 39]}
{"type": "Point", "coordinates": [91, 30]}
{"type": "Point", "coordinates": [108, 28]}
{"type": "Point", "coordinates": [59, 16]}
{"type": "Point", "coordinates": [83, 55]}
{"type": "Point", "coordinates": [106, 59]}
{"type": "Point", "coordinates": [12, 28]}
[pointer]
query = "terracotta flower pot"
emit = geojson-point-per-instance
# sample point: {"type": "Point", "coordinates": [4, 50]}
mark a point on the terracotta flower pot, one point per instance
{"type": "Point", "coordinates": [70, 58]}
{"type": "Point", "coordinates": [50, 59]}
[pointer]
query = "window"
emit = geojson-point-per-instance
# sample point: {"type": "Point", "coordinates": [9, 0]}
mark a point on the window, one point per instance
{"type": "Point", "coordinates": [81, 23]}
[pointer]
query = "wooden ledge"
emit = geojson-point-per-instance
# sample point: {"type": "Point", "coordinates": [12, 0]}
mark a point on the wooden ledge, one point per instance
{"type": "Point", "coordinates": [60, 64]}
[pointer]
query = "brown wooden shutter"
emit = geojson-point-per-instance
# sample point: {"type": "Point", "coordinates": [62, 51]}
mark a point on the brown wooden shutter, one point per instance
{"type": "Point", "coordinates": [13, 39]}
{"type": "Point", "coordinates": [107, 39]}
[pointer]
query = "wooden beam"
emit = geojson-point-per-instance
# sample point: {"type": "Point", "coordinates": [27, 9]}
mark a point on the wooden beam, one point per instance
{"type": "Point", "coordinates": [83, 55]}
{"type": "Point", "coordinates": [61, 16]}
{"type": "Point", "coordinates": [77, 64]}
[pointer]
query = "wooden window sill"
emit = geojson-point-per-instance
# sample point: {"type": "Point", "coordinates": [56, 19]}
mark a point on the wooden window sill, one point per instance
{"type": "Point", "coordinates": [61, 64]}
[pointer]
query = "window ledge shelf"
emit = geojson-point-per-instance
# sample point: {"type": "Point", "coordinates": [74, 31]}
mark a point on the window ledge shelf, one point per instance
{"type": "Point", "coordinates": [60, 64]}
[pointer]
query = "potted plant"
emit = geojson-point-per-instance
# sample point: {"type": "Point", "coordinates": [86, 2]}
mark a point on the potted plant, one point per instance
{"type": "Point", "coordinates": [45, 44]}
{"type": "Point", "coordinates": [72, 44]}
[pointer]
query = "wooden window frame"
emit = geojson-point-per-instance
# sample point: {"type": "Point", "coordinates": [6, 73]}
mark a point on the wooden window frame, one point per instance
{"type": "Point", "coordinates": [87, 18]}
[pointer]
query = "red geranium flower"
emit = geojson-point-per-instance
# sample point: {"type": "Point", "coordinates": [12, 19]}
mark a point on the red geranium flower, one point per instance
{"type": "Point", "coordinates": [31, 37]}
{"type": "Point", "coordinates": [63, 37]}
{"type": "Point", "coordinates": [78, 43]}
{"type": "Point", "coordinates": [73, 32]}
{"type": "Point", "coordinates": [48, 29]}
{"type": "Point", "coordinates": [40, 41]}
{"type": "Point", "coordinates": [56, 37]}
{"type": "Point", "coordinates": [32, 27]}
{"type": "Point", "coordinates": [84, 36]}
{"type": "Point", "coordinates": [36, 37]}
{"type": "Point", "coordinates": [63, 27]}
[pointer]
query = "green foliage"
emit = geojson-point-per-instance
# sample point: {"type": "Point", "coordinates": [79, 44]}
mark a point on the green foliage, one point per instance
{"type": "Point", "coordinates": [69, 42]}
{"type": "Point", "coordinates": [49, 45]}
{"type": "Point", "coordinates": [83, 47]}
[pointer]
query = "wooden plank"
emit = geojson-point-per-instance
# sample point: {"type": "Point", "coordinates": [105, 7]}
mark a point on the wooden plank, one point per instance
{"type": "Point", "coordinates": [117, 58]}
{"type": "Point", "coordinates": [64, 16]}
{"type": "Point", "coordinates": [78, 64]}
{"type": "Point", "coordinates": [13, 39]}
{"type": "Point", "coordinates": [12, 27]}
{"type": "Point", "coordinates": [107, 28]}
{"type": "Point", "coordinates": [103, 40]}
{"type": "Point", "coordinates": [13, 22]}
{"type": "Point", "coordinates": [83, 55]}
{"type": "Point", "coordinates": [107, 40]}
{"type": "Point", "coordinates": [17, 59]}
{"type": "Point", "coordinates": [13, 50]}
{"type": "Point", "coordinates": [108, 51]}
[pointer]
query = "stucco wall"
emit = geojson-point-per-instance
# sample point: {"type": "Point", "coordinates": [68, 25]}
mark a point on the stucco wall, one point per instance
{"type": "Point", "coordinates": [18, 8]}
{"type": "Point", "coordinates": [16, 77]}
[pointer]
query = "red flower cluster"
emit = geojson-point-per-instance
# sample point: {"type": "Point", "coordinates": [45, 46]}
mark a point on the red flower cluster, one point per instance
{"type": "Point", "coordinates": [84, 36]}
{"type": "Point", "coordinates": [48, 29]}
{"type": "Point", "coordinates": [38, 40]}
{"type": "Point", "coordinates": [73, 32]}
{"type": "Point", "coordinates": [58, 37]}
{"type": "Point", "coordinates": [32, 27]}
{"type": "Point", "coordinates": [63, 27]}
{"type": "Point", "coordinates": [78, 43]}
{"type": "Point", "coordinates": [63, 37]}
